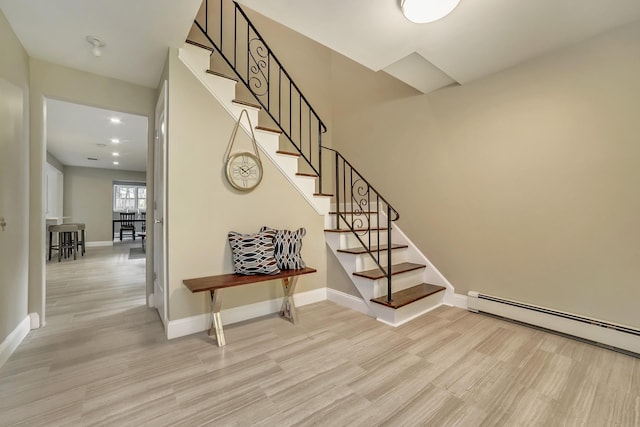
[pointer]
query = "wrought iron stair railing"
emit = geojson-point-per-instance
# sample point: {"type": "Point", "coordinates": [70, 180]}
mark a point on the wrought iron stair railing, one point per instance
{"type": "Point", "coordinates": [224, 27]}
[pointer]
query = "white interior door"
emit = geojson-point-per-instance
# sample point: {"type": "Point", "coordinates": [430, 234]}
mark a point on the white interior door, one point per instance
{"type": "Point", "coordinates": [14, 208]}
{"type": "Point", "coordinates": [159, 206]}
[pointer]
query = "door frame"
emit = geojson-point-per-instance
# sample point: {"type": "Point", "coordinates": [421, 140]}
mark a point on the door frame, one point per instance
{"type": "Point", "coordinates": [160, 184]}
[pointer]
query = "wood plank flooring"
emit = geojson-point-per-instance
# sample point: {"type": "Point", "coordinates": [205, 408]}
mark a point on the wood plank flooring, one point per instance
{"type": "Point", "coordinates": [103, 360]}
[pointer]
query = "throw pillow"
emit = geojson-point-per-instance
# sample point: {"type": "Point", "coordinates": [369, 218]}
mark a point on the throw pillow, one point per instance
{"type": "Point", "coordinates": [288, 245]}
{"type": "Point", "coordinates": [253, 253]}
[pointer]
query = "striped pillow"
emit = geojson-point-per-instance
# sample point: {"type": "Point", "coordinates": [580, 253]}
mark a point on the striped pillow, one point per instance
{"type": "Point", "coordinates": [253, 253]}
{"type": "Point", "coordinates": [288, 245]}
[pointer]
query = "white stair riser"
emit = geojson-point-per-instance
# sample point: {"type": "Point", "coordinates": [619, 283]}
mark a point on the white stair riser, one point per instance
{"type": "Point", "coordinates": [224, 87]}
{"type": "Point", "coordinates": [404, 314]}
{"type": "Point", "coordinates": [289, 164]}
{"type": "Point", "coordinates": [374, 238]}
{"type": "Point", "coordinates": [362, 262]}
{"type": "Point", "coordinates": [306, 184]}
{"type": "Point", "coordinates": [360, 221]}
{"type": "Point", "coordinates": [398, 282]}
{"type": "Point", "coordinates": [270, 141]}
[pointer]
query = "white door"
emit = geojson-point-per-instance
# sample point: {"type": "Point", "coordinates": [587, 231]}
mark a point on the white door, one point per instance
{"type": "Point", "coordinates": [14, 207]}
{"type": "Point", "coordinates": [159, 205]}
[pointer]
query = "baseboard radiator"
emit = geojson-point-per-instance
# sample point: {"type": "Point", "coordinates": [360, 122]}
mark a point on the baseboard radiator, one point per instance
{"type": "Point", "coordinates": [597, 331]}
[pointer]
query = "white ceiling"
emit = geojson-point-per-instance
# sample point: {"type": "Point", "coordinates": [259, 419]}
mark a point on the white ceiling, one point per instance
{"type": "Point", "coordinates": [137, 33]}
{"type": "Point", "coordinates": [76, 133]}
{"type": "Point", "coordinates": [137, 36]}
{"type": "Point", "coordinates": [477, 39]}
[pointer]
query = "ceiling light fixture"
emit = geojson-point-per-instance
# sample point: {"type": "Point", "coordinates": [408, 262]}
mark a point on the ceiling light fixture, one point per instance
{"type": "Point", "coordinates": [424, 11]}
{"type": "Point", "coordinates": [115, 140]}
{"type": "Point", "coordinates": [116, 163]}
{"type": "Point", "coordinates": [97, 45]}
{"type": "Point", "coordinates": [115, 154]}
{"type": "Point", "coordinates": [115, 120]}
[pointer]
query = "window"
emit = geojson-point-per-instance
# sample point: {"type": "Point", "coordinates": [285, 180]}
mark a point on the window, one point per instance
{"type": "Point", "coordinates": [129, 198]}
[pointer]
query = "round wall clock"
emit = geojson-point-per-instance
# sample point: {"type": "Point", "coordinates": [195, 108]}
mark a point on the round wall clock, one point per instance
{"type": "Point", "coordinates": [244, 171]}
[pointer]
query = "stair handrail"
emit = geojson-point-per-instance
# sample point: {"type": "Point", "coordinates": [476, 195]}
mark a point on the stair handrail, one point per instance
{"type": "Point", "coordinates": [254, 82]}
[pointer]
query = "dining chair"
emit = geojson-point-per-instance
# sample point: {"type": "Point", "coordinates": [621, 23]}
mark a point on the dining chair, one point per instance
{"type": "Point", "coordinates": [127, 224]}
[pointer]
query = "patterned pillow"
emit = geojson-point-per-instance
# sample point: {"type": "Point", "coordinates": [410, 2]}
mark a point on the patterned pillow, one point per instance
{"type": "Point", "coordinates": [253, 253]}
{"type": "Point", "coordinates": [288, 245]}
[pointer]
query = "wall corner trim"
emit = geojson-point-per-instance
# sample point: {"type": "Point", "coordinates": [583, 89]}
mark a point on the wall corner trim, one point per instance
{"type": "Point", "coordinates": [202, 322]}
{"type": "Point", "coordinates": [14, 339]}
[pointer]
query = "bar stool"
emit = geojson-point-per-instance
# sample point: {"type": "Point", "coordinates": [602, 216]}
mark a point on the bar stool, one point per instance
{"type": "Point", "coordinates": [67, 238]}
{"type": "Point", "coordinates": [80, 242]}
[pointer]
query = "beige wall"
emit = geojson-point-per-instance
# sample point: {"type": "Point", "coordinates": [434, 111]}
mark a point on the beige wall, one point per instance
{"type": "Point", "coordinates": [523, 184]}
{"type": "Point", "coordinates": [14, 180]}
{"type": "Point", "coordinates": [54, 81]}
{"type": "Point", "coordinates": [88, 198]}
{"type": "Point", "coordinates": [203, 208]}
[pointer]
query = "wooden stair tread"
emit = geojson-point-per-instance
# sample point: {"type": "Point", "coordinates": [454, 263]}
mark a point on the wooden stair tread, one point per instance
{"type": "Point", "coordinates": [287, 153]}
{"type": "Point", "coordinates": [323, 194]}
{"type": "Point", "coordinates": [200, 45]}
{"type": "Point", "coordinates": [376, 273]}
{"type": "Point", "coordinates": [310, 175]}
{"type": "Point", "coordinates": [347, 230]}
{"type": "Point", "coordinates": [224, 76]}
{"type": "Point", "coordinates": [409, 295]}
{"type": "Point", "coordinates": [248, 104]}
{"type": "Point", "coordinates": [361, 250]}
{"type": "Point", "coordinates": [266, 129]}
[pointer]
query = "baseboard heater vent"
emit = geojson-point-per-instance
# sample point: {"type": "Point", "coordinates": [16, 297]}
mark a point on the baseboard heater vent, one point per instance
{"type": "Point", "coordinates": [598, 331]}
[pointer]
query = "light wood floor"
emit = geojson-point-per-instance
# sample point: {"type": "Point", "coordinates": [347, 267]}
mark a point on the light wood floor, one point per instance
{"type": "Point", "coordinates": [102, 359]}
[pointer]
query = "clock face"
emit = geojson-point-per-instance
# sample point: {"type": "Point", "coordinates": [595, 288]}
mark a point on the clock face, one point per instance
{"type": "Point", "coordinates": [244, 171]}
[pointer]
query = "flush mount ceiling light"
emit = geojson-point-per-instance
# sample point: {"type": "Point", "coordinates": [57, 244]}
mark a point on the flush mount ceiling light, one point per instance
{"type": "Point", "coordinates": [115, 140]}
{"type": "Point", "coordinates": [97, 45]}
{"type": "Point", "coordinates": [115, 120]}
{"type": "Point", "coordinates": [424, 11]}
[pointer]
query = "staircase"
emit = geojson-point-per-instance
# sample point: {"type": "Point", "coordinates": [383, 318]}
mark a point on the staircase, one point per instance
{"type": "Point", "coordinates": [391, 274]}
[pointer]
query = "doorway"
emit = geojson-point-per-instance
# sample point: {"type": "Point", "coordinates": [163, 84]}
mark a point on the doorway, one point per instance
{"type": "Point", "coordinates": [88, 150]}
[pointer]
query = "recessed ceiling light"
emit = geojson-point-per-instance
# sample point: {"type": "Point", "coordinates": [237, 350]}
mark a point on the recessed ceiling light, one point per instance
{"type": "Point", "coordinates": [116, 163]}
{"type": "Point", "coordinates": [115, 154]}
{"type": "Point", "coordinates": [115, 140]}
{"type": "Point", "coordinates": [115, 120]}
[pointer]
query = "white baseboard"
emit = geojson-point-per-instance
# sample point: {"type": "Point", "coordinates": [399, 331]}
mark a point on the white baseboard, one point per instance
{"type": "Point", "coordinates": [349, 301]}
{"type": "Point", "coordinates": [98, 243]}
{"type": "Point", "coordinates": [202, 322]}
{"type": "Point", "coordinates": [455, 300]}
{"type": "Point", "coordinates": [14, 339]}
{"type": "Point", "coordinates": [34, 320]}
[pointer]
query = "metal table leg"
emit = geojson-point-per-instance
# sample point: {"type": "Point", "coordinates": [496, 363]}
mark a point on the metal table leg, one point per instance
{"type": "Point", "coordinates": [216, 322]}
{"type": "Point", "coordinates": [288, 310]}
